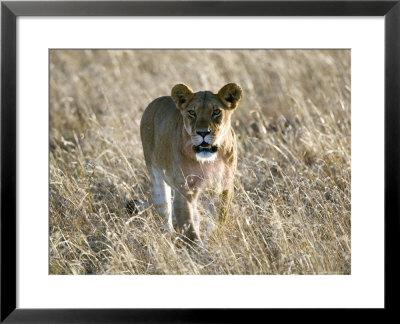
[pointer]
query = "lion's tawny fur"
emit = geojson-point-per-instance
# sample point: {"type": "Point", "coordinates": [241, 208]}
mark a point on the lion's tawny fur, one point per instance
{"type": "Point", "coordinates": [169, 130]}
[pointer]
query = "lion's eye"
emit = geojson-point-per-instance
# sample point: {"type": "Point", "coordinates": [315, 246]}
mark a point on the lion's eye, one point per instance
{"type": "Point", "coordinates": [191, 113]}
{"type": "Point", "coordinates": [216, 112]}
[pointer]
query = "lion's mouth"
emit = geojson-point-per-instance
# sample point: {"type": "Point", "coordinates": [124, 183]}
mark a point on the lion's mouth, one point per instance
{"type": "Point", "coordinates": [205, 147]}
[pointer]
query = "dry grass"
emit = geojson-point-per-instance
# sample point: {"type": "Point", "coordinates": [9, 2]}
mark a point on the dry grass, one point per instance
{"type": "Point", "coordinates": [291, 208]}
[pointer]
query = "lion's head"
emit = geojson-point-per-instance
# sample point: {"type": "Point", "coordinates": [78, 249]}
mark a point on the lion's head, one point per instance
{"type": "Point", "coordinates": [206, 116]}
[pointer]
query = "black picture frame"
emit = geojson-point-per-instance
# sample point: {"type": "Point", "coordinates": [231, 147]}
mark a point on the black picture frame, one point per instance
{"type": "Point", "coordinates": [9, 13]}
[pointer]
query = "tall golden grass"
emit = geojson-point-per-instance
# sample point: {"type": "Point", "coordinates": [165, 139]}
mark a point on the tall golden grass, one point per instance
{"type": "Point", "coordinates": [291, 208]}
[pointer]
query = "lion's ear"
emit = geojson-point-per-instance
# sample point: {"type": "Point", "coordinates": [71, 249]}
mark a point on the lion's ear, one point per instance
{"type": "Point", "coordinates": [181, 94]}
{"type": "Point", "coordinates": [230, 95]}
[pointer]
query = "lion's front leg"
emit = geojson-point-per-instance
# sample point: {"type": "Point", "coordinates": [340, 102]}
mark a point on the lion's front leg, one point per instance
{"type": "Point", "coordinates": [225, 199]}
{"type": "Point", "coordinates": [186, 217]}
{"type": "Point", "coordinates": [161, 196]}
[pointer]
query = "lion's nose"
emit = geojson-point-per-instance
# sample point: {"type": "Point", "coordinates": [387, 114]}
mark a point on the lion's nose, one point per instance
{"type": "Point", "coordinates": [203, 133]}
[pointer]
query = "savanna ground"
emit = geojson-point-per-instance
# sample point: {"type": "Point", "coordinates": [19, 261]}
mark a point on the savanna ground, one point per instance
{"type": "Point", "coordinates": [291, 208]}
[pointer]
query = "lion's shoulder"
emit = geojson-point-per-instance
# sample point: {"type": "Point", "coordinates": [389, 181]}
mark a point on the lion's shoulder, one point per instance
{"type": "Point", "coordinates": [160, 111]}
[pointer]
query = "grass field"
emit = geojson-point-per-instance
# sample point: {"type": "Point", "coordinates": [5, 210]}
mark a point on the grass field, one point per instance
{"type": "Point", "coordinates": [291, 208]}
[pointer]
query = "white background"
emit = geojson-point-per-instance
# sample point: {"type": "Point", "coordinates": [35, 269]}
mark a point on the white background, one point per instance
{"type": "Point", "coordinates": [363, 288]}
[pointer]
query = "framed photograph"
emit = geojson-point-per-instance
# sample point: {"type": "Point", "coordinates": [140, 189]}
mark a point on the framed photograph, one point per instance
{"type": "Point", "coordinates": [167, 161]}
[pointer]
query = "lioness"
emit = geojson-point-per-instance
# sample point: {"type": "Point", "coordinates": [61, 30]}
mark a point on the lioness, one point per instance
{"type": "Point", "coordinates": [189, 145]}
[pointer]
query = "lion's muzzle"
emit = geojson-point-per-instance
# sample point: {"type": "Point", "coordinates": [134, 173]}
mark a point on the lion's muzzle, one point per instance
{"type": "Point", "coordinates": [205, 147]}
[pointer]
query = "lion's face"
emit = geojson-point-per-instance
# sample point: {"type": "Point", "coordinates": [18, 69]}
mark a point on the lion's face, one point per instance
{"type": "Point", "coordinates": [206, 116]}
{"type": "Point", "coordinates": [206, 121]}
